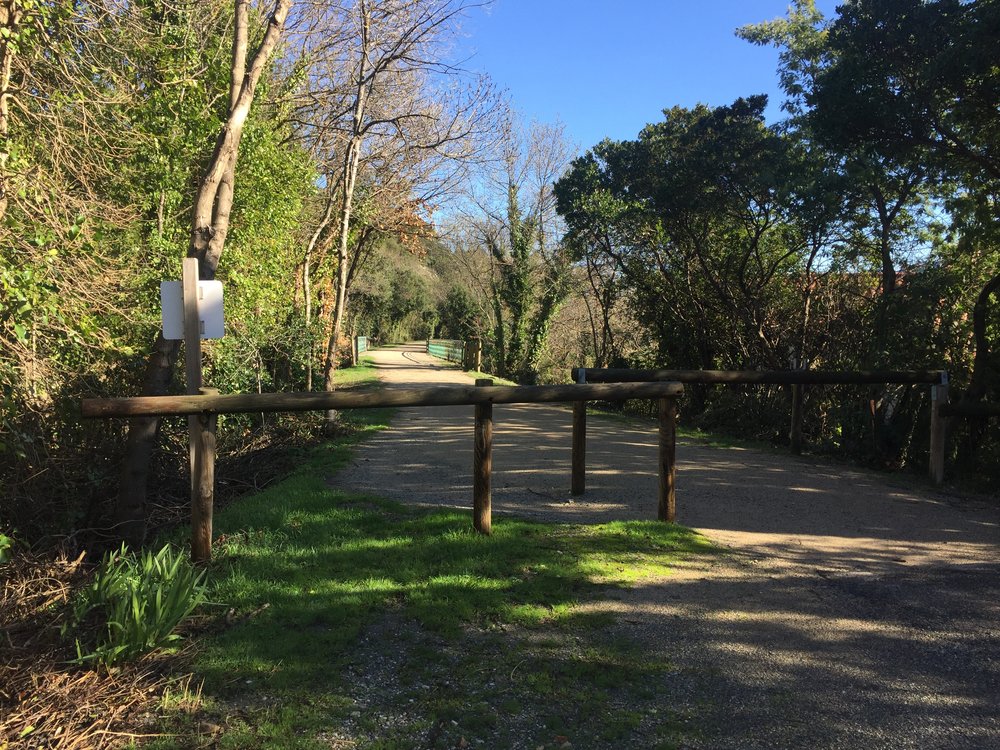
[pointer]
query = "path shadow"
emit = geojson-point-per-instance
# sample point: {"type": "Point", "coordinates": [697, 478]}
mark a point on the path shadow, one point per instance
{"type": "Point", "coordinates": [851, 613]}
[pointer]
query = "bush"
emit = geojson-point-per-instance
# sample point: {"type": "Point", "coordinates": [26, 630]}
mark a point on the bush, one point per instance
{"type": "Point", "coordinates": [133, 604]}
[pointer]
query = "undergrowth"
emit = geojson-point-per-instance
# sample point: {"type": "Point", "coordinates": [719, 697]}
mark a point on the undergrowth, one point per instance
{"type": "Point", "coordinates": [53, 694]}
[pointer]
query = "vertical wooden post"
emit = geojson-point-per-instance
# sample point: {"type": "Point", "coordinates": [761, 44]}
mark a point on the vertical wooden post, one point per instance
{"type": "Point", "coordinates": [192, 327]}
{"type": "Point", "coordinates": [578, 482]}
{"type": "Point", "coordinates": [203, 499]}
{"type": "Point", "coordinates": [939, 398]}
{"type": "Point", "coordinates": [578, 478]}
{"type": "Point", "coordinates": [482, 469]}
{"type": "Point", "coordinates": [201, 538]}
{"type": "Point", "coordinates": [795, 431]}
{"type": "Point", "coordinates": [668, 446]}
{"type": "Point", "coordinates": [477, 354]}
{"type": "Point", "coordinates": [473, 359]}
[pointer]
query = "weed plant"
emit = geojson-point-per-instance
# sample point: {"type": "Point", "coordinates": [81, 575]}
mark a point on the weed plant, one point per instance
{"type": "Point", "coordinates": [134, 604]}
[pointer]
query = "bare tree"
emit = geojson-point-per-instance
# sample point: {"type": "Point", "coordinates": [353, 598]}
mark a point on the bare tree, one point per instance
{"type": "Point", "coordinates": [512, 211]}
{"type": "Point", "coordinates": [388, 106]}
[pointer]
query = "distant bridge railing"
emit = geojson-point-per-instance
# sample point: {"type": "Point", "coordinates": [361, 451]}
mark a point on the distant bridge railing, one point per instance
{"type": "Point", "coordinates": [452, 350]}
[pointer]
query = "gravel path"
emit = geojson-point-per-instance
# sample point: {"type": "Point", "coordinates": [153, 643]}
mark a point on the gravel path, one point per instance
{"type": "Point", "coordinates": [848, 612]}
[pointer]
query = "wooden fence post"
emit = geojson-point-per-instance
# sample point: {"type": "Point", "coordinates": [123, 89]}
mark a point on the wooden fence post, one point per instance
{"type": "Point", "coordinates": [201, 540]}
{"type": "Point", "coordinates": [578, 482]}
{"type": "Point", "coordinates": [192, 354]}
{"type": "Point", "coordinates": [795, 431]}
{"type": "Point", "coordinates": [473, 359]}
{"type": "Point", "coordinates": [482, 465]}
{"type": "Point", "coordinates": [939, 398]}
{"type": "Point", "coordinates": [203, 482]}
{"type": "Point", "coordinates": [668, 446]}
{"type": "Point", "coordinates": [578, 479]}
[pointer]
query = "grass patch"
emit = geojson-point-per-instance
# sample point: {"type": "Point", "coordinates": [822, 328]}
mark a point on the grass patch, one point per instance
{"type": "Point", "coordinates": [361, 374]}
{"type": "Point", "coordinates": [727, 442]}
{"type": "Point", "coordinates": [357, 619]}
{"type": "Point", "coordinates": [497, 380]}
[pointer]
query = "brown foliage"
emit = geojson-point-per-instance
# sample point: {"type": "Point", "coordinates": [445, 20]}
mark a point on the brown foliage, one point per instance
{"type": "Point", "coordinates": [44, 701]}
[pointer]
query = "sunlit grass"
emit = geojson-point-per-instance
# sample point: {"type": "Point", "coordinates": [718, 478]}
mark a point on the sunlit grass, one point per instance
{"type": "Point", "coordinates": [363, 373]}
{"type": "Point", "coordinates": [497, 380]}
{"type": "Point", "coordinates": [304, 570]}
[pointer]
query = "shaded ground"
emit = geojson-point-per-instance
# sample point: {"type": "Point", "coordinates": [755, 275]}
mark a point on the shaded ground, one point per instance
{"type": "Point", "coordinates": [849, 612]}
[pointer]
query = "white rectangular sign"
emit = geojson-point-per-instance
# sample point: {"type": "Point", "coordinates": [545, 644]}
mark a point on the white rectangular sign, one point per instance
{"type": "Point", "coordinates": [209, 309]}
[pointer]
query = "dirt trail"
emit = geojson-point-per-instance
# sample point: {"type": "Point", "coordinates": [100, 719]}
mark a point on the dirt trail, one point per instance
{"type": "Point", "coordinates": [848, 613]}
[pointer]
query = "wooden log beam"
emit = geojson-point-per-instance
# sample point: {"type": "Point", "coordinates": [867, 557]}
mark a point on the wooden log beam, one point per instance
{"type": "Point", "coordinates": [309, 401]}
{"type": "Point", "coordinates": [775, 377]}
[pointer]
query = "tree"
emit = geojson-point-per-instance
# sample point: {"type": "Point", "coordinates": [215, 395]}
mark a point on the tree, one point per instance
{"type": "Point", "coordinates": [395, 51]}
{"type": "Point", "coordinates": [914, 79]}
{"type": "Point", "coordinates": [880, 199]}
{"type": "Point", "coordinates": [68, 86]}
{"type": "Point", "coordinates": [513, 220]}
{"type": "Point", "coordinates": [696, 215]}
{"type": "Point", "coordinates": [209, 228]}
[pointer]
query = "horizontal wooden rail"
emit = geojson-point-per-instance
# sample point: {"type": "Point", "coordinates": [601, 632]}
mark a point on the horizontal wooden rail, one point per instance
{"type": "Point", "coordinates": [775, 377]}
{"type": "Point", "coordinates": [937, 379]}
{"type": "Point", "coordinates": [443, 396]}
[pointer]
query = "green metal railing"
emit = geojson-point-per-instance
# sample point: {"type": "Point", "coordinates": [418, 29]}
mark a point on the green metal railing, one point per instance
{"type": "Point", "coordinates": [362, 344]}
{"type": "Point", "coordinates": [449, 349]}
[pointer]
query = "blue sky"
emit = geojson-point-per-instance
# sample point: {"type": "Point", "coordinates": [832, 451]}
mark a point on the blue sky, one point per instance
{"type": "Point", "coordinates": [608, 67]}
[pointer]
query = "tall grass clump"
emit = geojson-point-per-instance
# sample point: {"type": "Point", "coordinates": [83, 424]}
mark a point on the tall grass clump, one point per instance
{"type": "Point", "coordinates": [134, 604]}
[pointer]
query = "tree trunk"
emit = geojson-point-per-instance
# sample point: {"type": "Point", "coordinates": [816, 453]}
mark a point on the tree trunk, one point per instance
{"type": "Point", "coordinates": [307, 281]}
{"type": "Point", "coordinates": [209, 228]}
{"type": "Point", "coordinates": [984, 373]}
{"type": "Point", "coordinates": [340, 297]}
{"type": "Point", "coordinates": [351, 161]}
{"type": "Point", "coordinates": [10, 18]}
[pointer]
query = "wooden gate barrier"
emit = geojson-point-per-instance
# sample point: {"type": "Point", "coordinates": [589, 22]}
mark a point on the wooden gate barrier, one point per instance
{"type": "Point", "coordinates": [204, 407]}
{"type": "Point", "coordinates": [797, 379]}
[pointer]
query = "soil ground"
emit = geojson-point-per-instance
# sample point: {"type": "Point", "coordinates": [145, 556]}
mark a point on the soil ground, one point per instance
{"type": "Point", "coordinates": [846, 612]}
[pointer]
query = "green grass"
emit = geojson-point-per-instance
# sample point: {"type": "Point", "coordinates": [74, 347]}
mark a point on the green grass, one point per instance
{"type": "Point", "coordinates": [721, 440]}
{"type": "Point", "coordinates": [497, 380]}
{"type": "Point", "coordinates": [363, 373]}
{"type": "Point", "coordinates": [350, 616]}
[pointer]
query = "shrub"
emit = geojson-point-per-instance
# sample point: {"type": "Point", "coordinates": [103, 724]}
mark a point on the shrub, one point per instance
{"type": "Point", "coordinates": [134, 604]}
